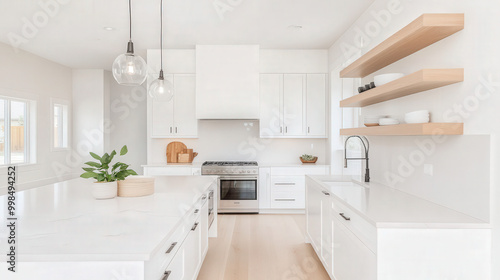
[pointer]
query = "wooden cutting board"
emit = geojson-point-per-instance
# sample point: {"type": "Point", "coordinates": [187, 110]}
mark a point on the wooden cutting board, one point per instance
{"type": "Point", "coordinates": [173, 149]}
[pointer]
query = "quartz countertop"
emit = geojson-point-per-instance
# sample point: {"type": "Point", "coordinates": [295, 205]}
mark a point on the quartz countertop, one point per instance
{"type": "Point", "coordinates": [63, 222]}
{"type": "Point", "coordinates": [387, 207]}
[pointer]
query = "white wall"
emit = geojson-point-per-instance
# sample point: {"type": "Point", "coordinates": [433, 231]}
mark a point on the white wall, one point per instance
{"type": "Point", "coordinates": [92, 126]}
{"type": "Point", "coordinates": [128, 123]}
{"type": "Point", "coordinates": [25, 75]}
{"type": "Point", "coordinates": [460, 162]}
{"type": "Point", "coordinates": [239, 140]}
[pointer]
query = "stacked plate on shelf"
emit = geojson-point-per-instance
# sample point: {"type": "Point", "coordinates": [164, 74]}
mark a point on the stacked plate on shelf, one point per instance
{"type": "Point", "coordinates": [388, 121]}
{"type": "Point", "coordinates": [372, 120]}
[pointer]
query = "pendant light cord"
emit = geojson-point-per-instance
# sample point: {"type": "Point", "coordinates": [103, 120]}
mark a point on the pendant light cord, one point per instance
{"type": "Point", "coordinates": [161, 35]}
{"type": "Point", "coordinates": [130, 19]}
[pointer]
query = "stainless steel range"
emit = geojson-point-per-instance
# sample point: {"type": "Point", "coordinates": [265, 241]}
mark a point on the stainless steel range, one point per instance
{"type": "Point", "coordinates": [238, 186]}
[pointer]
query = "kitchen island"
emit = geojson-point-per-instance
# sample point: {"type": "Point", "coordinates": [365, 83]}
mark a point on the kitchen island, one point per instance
{"type": "Point", "coordinates": [373, 232]}
{"type": "Point", "coordinates": [64, 233]}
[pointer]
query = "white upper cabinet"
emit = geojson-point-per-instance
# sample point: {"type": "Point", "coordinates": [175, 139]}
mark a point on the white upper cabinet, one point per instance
{"type": "Point", "coordinates": [227, 82]}
{"type": "Point", "coordinates": [293, 106]}
{"type": "Point", "coordinates": [176, 118]}
{"type": "Point", "coordinates": [271, 100]}
{"type": "Point", "coordinates": [316, 105]}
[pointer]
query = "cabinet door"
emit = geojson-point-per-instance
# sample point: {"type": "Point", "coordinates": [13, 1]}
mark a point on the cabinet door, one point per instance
{"type": "Point", "coordinates": [327, 233]}
{"type": "Point", "coordinates": [175, 270]}
{"type": "Point", "coordinates": [264, 188]}
{"type": "Point", "coordinates": [313, 212]}
{"type": "Point", "coordinates": [192, 247]}
{"type": "Point", "coordinates": [316, 105]}
{"type": "Point", "coordinates": [203, 230]}
{"type": "Point", "coordinates": [185, 122]}
{"type": "Point", "coordinates": [162, 117]}
{"type": "Point", "coordinates": [352, 260]}
{"type": "Point", "coordinates": [271, 89]}
{"type": "Point", "coordinates": [293, 104]}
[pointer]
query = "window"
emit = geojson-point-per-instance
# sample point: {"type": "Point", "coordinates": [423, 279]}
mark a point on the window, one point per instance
{"type": "Point", "coordinates": [59, 125]}
{"type": "Point", "coordinates": [14, 131]}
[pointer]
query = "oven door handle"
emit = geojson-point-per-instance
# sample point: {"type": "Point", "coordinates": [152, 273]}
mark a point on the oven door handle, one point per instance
{"type": "Point", "coordinates": [237, 178]}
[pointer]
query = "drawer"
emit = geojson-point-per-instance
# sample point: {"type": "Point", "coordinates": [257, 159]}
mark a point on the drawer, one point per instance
{"type": "Point", "coordinates": [288, 184]}
{"type": "Point", "coordinates": [161, 259]}
{"type": "Point", "coordinates": [288, 200]}
{"type": "Point", "coordinates": [364, 230]}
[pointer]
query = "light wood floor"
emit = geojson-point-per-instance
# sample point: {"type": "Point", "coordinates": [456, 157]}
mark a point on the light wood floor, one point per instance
{"type": "Point", "coordinates": [261, 247]}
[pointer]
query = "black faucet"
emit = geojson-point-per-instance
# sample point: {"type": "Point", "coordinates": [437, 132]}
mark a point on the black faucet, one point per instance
{"type": "Point", "coordinates": [367, 148]}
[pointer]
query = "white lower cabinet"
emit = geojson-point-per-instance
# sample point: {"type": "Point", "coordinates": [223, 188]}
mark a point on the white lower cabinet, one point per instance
{"type": "Point", "coordinates": [351, 246]}
{"type": "Point", "coordinates": [282, 189]}
{"type": "Point", "coordinates": [183, 258]}
{"type": "Point", "coordinates": [352, 260]}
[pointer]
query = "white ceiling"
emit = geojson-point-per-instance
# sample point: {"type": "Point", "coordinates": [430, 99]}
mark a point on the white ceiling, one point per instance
{"type": "Point", "coordinates": [74, 34]}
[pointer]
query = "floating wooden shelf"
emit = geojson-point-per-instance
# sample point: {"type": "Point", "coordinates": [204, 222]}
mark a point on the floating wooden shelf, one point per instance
{"type": "Point", "coordinates": [422, 80]}
{"type": "Point", "coordinates": [408, 129]}
{"type": "Point", "coordinates": [422, 32]}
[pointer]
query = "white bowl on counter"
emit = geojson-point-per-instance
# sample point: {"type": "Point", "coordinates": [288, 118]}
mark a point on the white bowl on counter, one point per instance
{"type": "Point", "coordinates": [388, 121]}
{"type": "Point", "coordinates": [386, 78]}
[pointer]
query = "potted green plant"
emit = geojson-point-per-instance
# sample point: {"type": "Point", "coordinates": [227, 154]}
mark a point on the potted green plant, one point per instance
{"type": "Point", "coordinates": [106, 174]}
{"type": "Point", "coordinates": [305, 158]}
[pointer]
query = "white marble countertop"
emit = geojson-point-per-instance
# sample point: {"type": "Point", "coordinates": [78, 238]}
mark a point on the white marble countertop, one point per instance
{"type": "Point", "coordinates": [387, 207]}
{"type": "Point", "coordinates": [63, 222]}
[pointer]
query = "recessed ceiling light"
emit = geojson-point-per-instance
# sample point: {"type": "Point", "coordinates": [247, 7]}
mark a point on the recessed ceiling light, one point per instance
{"type": "Point", "coordinates": [295, 27]}
{"type": "Point", "coordinates": [107, 28]}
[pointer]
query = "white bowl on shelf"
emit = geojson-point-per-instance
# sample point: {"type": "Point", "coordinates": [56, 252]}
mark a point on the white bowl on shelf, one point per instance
{"type": "Point", "coordinates": [388, 121]}
{"type": "Point", "coordinates": [417, 114]}
{"type": "Point", "coordinates": [386, 78]}
{"type": "Point", "coordinates": [421, 116]}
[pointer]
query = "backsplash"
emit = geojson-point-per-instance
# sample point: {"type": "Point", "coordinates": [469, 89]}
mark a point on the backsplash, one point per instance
{"type": "Point", "coordinates": [239, 140]}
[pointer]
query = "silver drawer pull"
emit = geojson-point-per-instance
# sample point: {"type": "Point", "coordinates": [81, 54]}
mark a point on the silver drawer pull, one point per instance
{"type": "Point", "coordinates": [194, 226]}
{"type": "Point", "coordinates": [166, 275]}
{"type": "Point", "coordinates": [171, 248]}
{"type": "Point", "coordinates": [204, 197]}
{"type": "Point", "coordinates": [344, 216]}
{"type": "Point", "coordinates": [196, 211]}
{"type": "Point", "coordinates": [284, 199]}
{"type": "Point", "coordinates": [325, 192]}
{"type": "Point", "coordinates": [284, 184]}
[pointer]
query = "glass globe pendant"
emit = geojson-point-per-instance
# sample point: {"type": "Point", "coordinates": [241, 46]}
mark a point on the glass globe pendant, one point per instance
{"type": "Point", "coordinates": [129, 69]}
{"type": "Point", "coordinates": [161, 90]}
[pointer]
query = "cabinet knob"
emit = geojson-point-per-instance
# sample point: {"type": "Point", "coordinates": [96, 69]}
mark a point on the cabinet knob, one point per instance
{"type": "Point", "coordinates": [196, 211]}
{"type": "Point", "coordinates": [325, 193]}
{"type": "Point", "coordinates": [166, 275]}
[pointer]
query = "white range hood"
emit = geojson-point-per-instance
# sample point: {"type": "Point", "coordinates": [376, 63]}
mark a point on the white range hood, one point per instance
{"type": "Point", "coordinates": [227, 81]}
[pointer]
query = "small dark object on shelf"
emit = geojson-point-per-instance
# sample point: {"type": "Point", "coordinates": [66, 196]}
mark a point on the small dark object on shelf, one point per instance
{"type": "Point", "coordinates": [361, 89]}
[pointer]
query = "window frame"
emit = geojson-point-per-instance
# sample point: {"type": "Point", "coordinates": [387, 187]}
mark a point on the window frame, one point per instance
{"type": "Point", "coordinates": [53, 103]}
{"type": "Point", "coordinates": [29, 131]}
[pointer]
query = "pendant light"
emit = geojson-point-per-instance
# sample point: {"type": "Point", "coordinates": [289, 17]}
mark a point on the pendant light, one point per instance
{"type": "Point", "coordinates": [161, 89]}
{"type": "Point", "coordinates": [130, 69]}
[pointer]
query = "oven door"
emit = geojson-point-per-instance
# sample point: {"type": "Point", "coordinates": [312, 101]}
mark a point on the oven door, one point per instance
{"type": "Point", "coordinates": [238, 194]}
